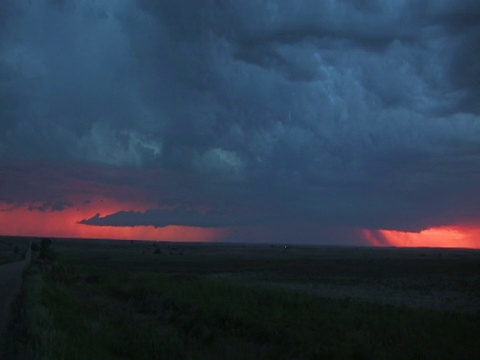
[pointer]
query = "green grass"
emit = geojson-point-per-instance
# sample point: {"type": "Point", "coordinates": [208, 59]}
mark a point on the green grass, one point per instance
{"type": "Point", "coordinates": [8, 258]}
{"type": "Point", "coordinates": [12, 249]}
{"type": "Point", "coordinates": [117, 300]}
{"type": "Point", "coordinates": [93, 312]}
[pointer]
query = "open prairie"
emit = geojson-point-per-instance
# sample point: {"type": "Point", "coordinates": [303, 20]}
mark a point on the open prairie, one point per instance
{"type": "Point", "coordinates": [12, 248]}
{"type": "Point", "coordinates": [121, 299]}
{"type": "Point", "coordinates": [446, 279]}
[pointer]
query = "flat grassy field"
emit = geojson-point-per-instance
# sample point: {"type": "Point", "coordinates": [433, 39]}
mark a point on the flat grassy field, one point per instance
{"type": "Point", "coordinates": [144, 300]}
{"type": "Point", "coordinates": [12, 248]}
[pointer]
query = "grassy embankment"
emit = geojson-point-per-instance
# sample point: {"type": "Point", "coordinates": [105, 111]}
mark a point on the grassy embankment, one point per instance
{"type": "Point", "coordinates": [81, 308]}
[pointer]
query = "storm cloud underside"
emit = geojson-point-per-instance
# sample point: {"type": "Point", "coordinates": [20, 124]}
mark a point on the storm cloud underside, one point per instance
{"type": "Point", "coordinates": [343, 114]}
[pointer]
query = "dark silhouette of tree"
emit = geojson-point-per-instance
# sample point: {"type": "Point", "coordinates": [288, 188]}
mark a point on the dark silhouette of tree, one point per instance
{"type": "Point", "coordinates": [45, 249]}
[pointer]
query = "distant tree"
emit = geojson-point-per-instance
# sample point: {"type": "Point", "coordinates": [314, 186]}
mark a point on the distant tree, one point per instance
{"type": "Point", "coordinates": [16, 250]}
{"type": "Point", "coordinates": [34, 246]}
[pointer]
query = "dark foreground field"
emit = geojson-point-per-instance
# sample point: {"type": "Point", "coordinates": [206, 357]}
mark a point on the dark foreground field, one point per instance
{"type": "Point", "coordinates": [12, 249]}
{"type": "Point", "coordinates": [122, 300]}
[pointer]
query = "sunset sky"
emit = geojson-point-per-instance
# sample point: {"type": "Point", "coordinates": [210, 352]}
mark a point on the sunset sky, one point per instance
{"type": "Point", "coordinates": [320, 122]}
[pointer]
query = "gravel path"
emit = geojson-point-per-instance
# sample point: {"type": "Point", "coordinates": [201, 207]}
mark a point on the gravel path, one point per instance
{"type": "Point", "coordinates": [10, 282]}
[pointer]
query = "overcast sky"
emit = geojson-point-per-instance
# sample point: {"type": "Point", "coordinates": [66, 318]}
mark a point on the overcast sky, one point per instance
{"type": "Point", "coordinates": [313, 117]}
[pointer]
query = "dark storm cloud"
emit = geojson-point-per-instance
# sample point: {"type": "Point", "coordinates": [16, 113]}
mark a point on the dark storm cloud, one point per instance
{"type": "Point", "coordinates": [46, 187]}
{"type": "Point", "coordinates": [166, 217]}
{"type": "Point", "coordinates": [58, 205]}
{"type": "Point", "coordinates": [342, 113]}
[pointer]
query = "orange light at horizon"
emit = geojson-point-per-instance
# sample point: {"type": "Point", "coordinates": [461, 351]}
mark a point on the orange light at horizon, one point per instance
{"type": "Point", "coordinates": [21, 221]}
{"type": "Point", "coordinates": [443, 237]}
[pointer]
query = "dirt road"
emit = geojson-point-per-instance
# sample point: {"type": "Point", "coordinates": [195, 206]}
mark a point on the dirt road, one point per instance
{"type": "Point", "coordinates": [10, 282]}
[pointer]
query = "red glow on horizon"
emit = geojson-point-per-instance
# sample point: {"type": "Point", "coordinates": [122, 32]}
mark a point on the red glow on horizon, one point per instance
{"type": "Point", "coordinates": [442, 237]}
{"type": "Point", "coordinates": [20, 221]}
{"type": "Point", "coordinates": [49, 199]}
